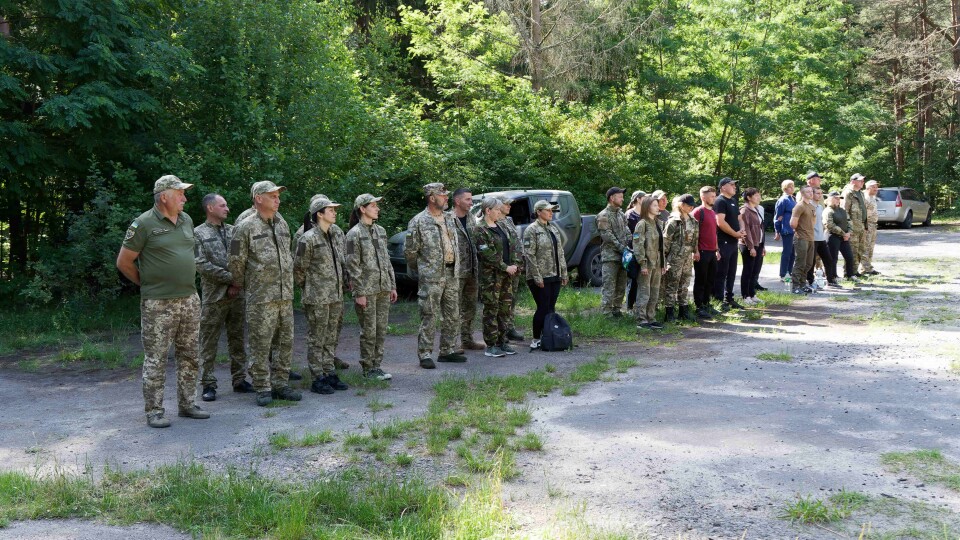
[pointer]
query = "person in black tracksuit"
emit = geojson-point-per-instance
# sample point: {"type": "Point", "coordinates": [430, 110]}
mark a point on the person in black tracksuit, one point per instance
{"type": "Point", "coordinates": [728, 235]}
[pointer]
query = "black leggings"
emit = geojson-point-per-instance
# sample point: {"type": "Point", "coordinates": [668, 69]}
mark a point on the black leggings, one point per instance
{"type": "Point", "coordinates": [841, 246]}
{"type": "Point", "coordinates": [631, 293]}
{"type": "Point", "coordinates": [829, 264]}
{"type": "Point", "coordinates": [750, 272]}
{"type": "Point", "coordinates": [546, 299]}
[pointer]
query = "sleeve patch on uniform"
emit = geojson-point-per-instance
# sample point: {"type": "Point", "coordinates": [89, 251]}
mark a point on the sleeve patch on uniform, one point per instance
{"type": "Point", "coordinates": [350, 246]}
{"type": "Point", "coordinates": [301, 247]}
{"type": "Point", "coordinates": [130, 232]}
{"type": "Point", "coordinates": [235, 247]}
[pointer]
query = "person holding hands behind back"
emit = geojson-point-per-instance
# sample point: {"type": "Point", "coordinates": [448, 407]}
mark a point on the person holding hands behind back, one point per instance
{"type": "Point", "coordinates": [546, 264]}
{"type": "Point", "coordinates": [497, 257]}
{"type": "Point", "coordinates": [648, 249]}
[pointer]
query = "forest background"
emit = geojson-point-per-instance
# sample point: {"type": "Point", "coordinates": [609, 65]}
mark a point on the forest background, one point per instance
{"type": "Point", "coordinates": [99, 98]}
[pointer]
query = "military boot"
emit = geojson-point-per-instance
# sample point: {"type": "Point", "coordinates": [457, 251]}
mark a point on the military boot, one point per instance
{"type": "Point", "coordinates": [670, 316]}
{"type": "Point", "coordinates": [194, 412]}
{"type": "Point", "coordinates": [158, 421]}
{"type": "Point", "coordinates": [683, 313]}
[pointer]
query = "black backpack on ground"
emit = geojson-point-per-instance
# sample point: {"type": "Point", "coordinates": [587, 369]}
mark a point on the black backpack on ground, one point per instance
{"type": "Point", "coordinates": [556, 334]}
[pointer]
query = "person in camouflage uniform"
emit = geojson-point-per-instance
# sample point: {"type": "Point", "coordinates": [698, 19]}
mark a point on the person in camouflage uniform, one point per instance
{"type": "Point", "coordinates": [616, 239]}
{"type": "Point", "coordinates": [497, 255]}
{"type": "Point", "coordinates": [318, 271]}
{"type": "Point", "coordinates": [506, 223]}
{"type": "Point", "coordinates": [337, 232]}
{"type": "Point", "coordinates": [222, 302]}
{"type": "Point", "coordinates": [432, 254]}
{"type": "Point", "coordinates": [680, 238]}
{"type": "Point", "coordinates": [261, 265]}
{"type": "Point", "coordinates": [372, 281]}
{"type": "Point", "coordinates": [157, 255]}
{"type": "Point", "coordinates": [856, 209]}
{"type": "Point", "coordinates": [466, 225]}
{"type": "Point", "coordinates": [648, 250]}
{"type": "Point", "coordinates": [870, 237]}
{"type": "Point", "coordinates": [546, 265]}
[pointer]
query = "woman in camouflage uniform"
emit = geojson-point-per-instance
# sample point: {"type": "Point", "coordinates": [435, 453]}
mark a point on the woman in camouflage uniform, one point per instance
{"type": "Point", "coordinates": [648, 249]}
{"type": "Point", "coordinates": [318, 270]}
{"type": "Point", "coordinates": [680, 239]}
{"type": "Point", "coordinates": [372, 282]}
{"type": "Point", "coordinates": [497, 256]}
{"type": "Point", "coordinates": [546, 264]}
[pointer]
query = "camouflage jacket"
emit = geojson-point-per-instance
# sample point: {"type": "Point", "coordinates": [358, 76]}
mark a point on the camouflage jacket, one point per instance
{"type": "Point", "coordinates": [368, 263]}
{"type": "Point", "coordinates": [468, 250]}
{"type": "Point", "coordinates": [872, 215]}
{"type": "Point", "coordinates": [490, 250]}
{"type": "Point", "coordinates": [507, 224]}
{"type": "Point", "coordinates": [614, 232]}
{"type": "Point", "coordinates": [318, 266]}
{"type": "Point", "coordinates": [260, 260]}
{"type": "Point", "coordinates": [542, 261]}
{"type": "Point", "coordinates": [244, 215]}
{"type": "Point", "coordinates": [680, 238]}
{"type": "Point", "coordinates": [424, 247]}
{"type": "Point", "coordinates": [648, 245]}
{"type": "Point", "coordinates": [211, 244]}
{"type": "Point", "coordinates": [855, 207]}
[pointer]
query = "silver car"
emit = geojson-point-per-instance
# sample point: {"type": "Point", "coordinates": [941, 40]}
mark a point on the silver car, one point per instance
{"type": "Point", "coordinates": [903, 206]}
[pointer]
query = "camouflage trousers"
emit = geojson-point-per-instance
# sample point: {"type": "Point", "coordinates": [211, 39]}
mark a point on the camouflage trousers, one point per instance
{"type": "Point", "coordinates": [266, 322]}
{"type": "Point", "coordinates": [675, 284]}
{"type": "Point", "coordinates": [613, 288]}
{"type": "Point", "coordinates": [496, 293]}
{"type": "Point", "coordinates": [164, 322]}
{"type": "Point", "coordinates": [515, 284]}
{"type": "Point", "coordinates": [870, 240]}
{"type": "Point", "coordinates": [648, 295]}
{"type": "Point", "coordinates": [858, 244]}
{"type": "Point", "coordinates": [439, 298]}
{"type": "Point", "coordinates": [213, 317]}
{"type": "Point", "coordinates": [468, 306]}
{"type": "Point", "coordinates": [323, 326]}
{"type": "Point", "coordinates": [373, 321]}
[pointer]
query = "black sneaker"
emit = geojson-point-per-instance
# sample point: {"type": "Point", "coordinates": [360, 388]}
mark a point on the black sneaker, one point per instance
{"type": "Point", "coordinates": [712, 310]}
{"type": "Point", "coordinates": [243, 387]}
{"type": "Point", "coordinates": [734, 304]}
{"type": "Point", "coordinates": [704, 313]}
{"type": "Point", "coordinates": [725, 307]}
{"type": "Point", "coordinates": [656, 326]}
{"type": "Point", "coordinates": [287, 393]}
{"type": "Point", "coordinates": [320, 386]}
{"type": "Point", "coordinates": [507, 349]}
{"type": "Point", "coordinates": [760, 287]}
{"type": "Point", "coordinates": [834, 284]}
{"type": "Point", "coordinates": [334, 381]}
{"type": "Point", "coordinates": [264, 398]}
{"type": "Point", "coordinates": [209, 393]}
{"type": "Point", "coordinates": [294, 376]}
{"type": "Point", "coordinates": [452, 357]}
{"type": "Point", "coordinates": [514, 335]}
{"type": "Point", "coordinates": [427, 363]}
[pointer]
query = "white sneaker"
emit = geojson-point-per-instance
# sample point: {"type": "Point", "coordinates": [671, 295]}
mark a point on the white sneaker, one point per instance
{"type": "Point", "coordinates": [535, 344]}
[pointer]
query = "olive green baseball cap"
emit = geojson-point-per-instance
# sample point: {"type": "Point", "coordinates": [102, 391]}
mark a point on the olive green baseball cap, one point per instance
{"type": "Point", "coordinates": [169, 182]}
{"type": "Point", "coordinates": [365, 199]}
{"type": "Point", "coordinates": [544, 205]}
{"type": "Point", "coordinates": [320, 203]}
{"type": "Point", "coordinates": [264, 186]}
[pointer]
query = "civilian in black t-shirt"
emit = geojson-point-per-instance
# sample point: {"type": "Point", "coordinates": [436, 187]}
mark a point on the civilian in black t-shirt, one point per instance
{"type": "Point", "coordinates": [728, 234]}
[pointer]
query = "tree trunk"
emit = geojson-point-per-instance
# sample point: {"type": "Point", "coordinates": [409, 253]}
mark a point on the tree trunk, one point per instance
{"type": "Point", "coordinates": [899, 103]}
{"type": "Point", "coordinates": [536, 39]}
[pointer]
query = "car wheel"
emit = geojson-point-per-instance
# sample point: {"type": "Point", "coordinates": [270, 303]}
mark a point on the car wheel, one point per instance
{"type": "Point", "coordinates": [591, 267]}
{"type": "Point", "coordinates": [907, 221]}
{"type": "Point", "coordinates": [926, 222]}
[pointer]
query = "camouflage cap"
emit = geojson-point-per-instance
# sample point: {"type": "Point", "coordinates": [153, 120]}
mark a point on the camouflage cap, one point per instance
{"type": "Point", "coordinates": [264, 186]}
{"type": "Point", "coordinates": [637, 195]}
{"type": "Point", "coordinates": [318, 196]}
{"type": "Point", "coordinates": [169, 182]}
{"type": "Point", "coordinates": [857, 177]}
{"type": "Point", "coordinates": [318, 203]}
{"type": "Point", "coordinates": [544, 205]}
{"type": "Point", "coordinates": [506, 199]}
{"type": "Point", "coordinates": [365, 199]}
{"type": "Point", "coordinates": [658, 194]}
{"type": "Point", "coordinates": [435, 188]}
{"type": "Point", "coordinates": [871, 183]}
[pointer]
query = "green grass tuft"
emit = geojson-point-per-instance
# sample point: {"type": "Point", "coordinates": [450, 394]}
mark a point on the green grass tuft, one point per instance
{"type": "Point", "coordinates": [781, 356]}
{"type": "Point", "coordinates": [930, 465]}
{"type": "Point", "coordinates": [280, 441]}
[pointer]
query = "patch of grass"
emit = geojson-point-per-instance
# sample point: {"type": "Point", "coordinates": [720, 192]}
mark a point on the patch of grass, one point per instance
{"type": "Point", "coordinates": [530, 442]}
{"type": "Point", "coordinates": [931, 466]}
{"type": "Point", "coordinates": [69, 321]}
{"type": "Point", "coordinates": [269, 414]}
{"type": "Point", "coordinates": [316, 439]}
{"type": "Point", "coordinates": [404, 319]}
{"type": "Point", "coordinates": [355, 379]}
{"type": "Point", "coordinates": [280, 441]}
{"type": "Point", "coordinates": [772, 257]}
{"type": "Point", "coordinates": [550, 368]}
{"type": "Point", "coordinates": [626, 363]}
{"type": "Point", "coordinates": [570, 390]}
{"type": "Point", "coordinates": [777, 298]}
{"type": "Point", "coordinates": [781, 356]}
{"type": "Point", "coordinates": [375, 405]}
{"type": "Point", "coordinates": [403, 460]}
{"type": "Point", "coordinates": [591, 371]}
{"type": "Point", "coordinates": [30, 365]}
{"type": "Point", "coordinates": [839, 299]}
{"type": "Point", "coordinates": [106, 355]}
{"type": "Point", "coordinates": [277, 403]}
{"type": "Point", "coordinates": [809, 510]}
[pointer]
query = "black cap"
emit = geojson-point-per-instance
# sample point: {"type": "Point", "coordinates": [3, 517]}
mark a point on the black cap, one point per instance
{"type": "Point", "coordinates": [726, 180]}
{"type": "Point", "coordinates": [687, 198]}
{"type": "Point", "coordinates": [613, 191]}
{"type": "Point", "coordinates": [834, 194]}
{"type": "Point", "coordinates": [812, 174]}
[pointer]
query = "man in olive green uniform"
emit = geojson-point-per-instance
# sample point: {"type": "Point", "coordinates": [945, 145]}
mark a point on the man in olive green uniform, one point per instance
{"type": "Point", "coordinates": [856, 209]}
{"type": "Point", "coordinates": [508, 225]}
{"type": "Point", "coordinates": [616, 239]}
{"type": "Point", "coordinates": [680, 239]}
{"type": "Point", "coordinates": [318, 271]}
{"type": "Point", "coordinates": [222, 302]}
{"type": "Point", "coordinates": [157, 255]}
{"type": "Point", "coordinates": [338, 232]}
{"type": "Point", "coordinates": [261, 265]}
{"type": "Point", "coordinates": [466, 225]}
{"type": "Point", "coordinates": [432, 254]}
{"type": "Point", "coordinates": [870, 239]}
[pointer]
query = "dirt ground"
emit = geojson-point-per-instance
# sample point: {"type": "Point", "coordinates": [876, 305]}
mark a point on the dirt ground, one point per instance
{"type": "Point", "coordinates": [701, 440]}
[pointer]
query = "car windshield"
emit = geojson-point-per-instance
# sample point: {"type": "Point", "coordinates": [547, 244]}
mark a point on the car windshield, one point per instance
{"type": "Point", "coordinates": [889, 195]}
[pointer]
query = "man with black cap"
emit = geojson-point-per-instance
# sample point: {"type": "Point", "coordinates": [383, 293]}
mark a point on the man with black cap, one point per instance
{"type": "Point", "coordinates": [616, 238]}
{"type": "Point", "coordinates": [728, 235]}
